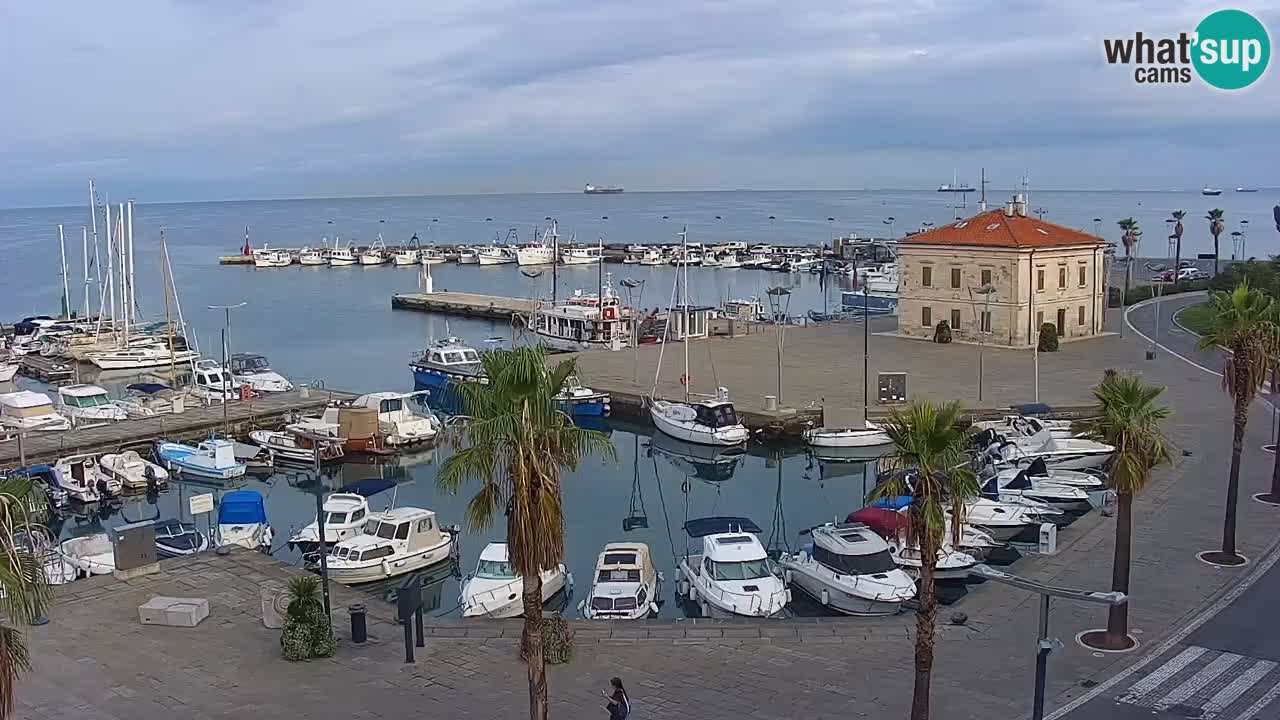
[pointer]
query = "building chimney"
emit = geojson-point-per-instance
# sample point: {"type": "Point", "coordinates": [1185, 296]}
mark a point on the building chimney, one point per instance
{"type": "Point", "coordinates": [1020, 205]}
{"type": "Point", "coordinates": [1010, 207]}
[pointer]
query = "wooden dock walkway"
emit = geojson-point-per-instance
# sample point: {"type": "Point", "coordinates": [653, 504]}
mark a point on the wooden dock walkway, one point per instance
{"type": "Point", "coordinates": [196, 423]}
{"type": "Point", "coordinates": [466, 304]}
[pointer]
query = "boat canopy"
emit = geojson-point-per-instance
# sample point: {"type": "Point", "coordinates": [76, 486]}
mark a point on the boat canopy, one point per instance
{"type": "Point", "coordinates": [716, 414]}
{"type": "Point", "coordinates": [368, 488]}
{"type": "Point", "coordinates": [242, 507]}
{"type": "Point", "coordinates": [1037, 468]}
{"type": "Point", "coordinates": [893, 503]}
{"type": "Point", "coordinates": [884, 522]}
{"type": "Point", "coordinates": [148, 388]}
{"type": "Point", "coordinates": [1032, 409]}
{"type": "Point", "coordinates": [702, 527]}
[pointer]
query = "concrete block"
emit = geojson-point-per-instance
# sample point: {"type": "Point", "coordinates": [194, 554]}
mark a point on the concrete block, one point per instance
{"type": "Point", "coordinates": [173, 612]}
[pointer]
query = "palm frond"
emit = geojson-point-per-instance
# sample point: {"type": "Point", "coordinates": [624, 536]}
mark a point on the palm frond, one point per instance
{"type": "Point", "coordinates": [1129, 418]}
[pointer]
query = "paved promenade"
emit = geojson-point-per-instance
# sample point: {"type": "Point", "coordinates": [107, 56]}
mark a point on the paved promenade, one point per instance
{"type": "Point", "coordinates": [94, 661]}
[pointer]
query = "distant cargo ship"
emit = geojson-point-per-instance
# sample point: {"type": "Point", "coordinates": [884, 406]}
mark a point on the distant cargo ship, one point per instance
{"type": "Point", "coordinates": [602, 190]}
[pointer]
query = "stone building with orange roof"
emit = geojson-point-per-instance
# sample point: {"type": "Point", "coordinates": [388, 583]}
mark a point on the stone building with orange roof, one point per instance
{"type": "Point", "coordinates": [1036, 272]}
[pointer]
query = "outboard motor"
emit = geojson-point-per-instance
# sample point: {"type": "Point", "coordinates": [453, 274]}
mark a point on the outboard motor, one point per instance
{"type": "Point", "coordinates": [101, 486]}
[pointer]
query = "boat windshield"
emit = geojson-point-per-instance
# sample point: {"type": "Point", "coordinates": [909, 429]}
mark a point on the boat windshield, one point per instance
{"type": "Point", "coordinates": [470, 356]}
{"type": "Point", "coordinates": [257, 364]}
{"type": "Point", "coordinates": [391, 405]}
{"type": "Point", "coordinates": [389, 531]}
{"type": "Point", "coordinates": [744, 570]}
{"type": "Point", "coordinates": [336, 518]}
{"type": "Point", "coordinates": [618, 576]}
{"type": "Point", "coordinates": [880, 562]}
{"type": "Point", "coordinates": [717, 415]}
{"type": "Point", "coordinates": [495, 570]}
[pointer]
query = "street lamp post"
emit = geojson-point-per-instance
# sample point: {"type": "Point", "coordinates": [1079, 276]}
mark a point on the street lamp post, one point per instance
{"type": "Point", "coordinates": [986, 291]}
{"type": "Point", "coordinates": [1157, 279]}
{"type": "Point", "coordinates": [226, 371]}
{"type": "Point", "coordinates": [631, 285]}
{"type": "Point", "coordinates": [780, 308]}
{"type": "Point", "coordinates": [1045, 644]}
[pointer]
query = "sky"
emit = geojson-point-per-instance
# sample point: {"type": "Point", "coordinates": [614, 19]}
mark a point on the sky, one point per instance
{"type": "Point", "coordinates": [175, 100]}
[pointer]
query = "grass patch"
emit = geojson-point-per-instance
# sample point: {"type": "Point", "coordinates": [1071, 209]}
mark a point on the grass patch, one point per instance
{"type": "Point", "coordinates": [1196, 318]}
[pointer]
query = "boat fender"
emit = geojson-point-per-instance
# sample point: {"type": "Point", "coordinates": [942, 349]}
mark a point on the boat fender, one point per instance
{"type": "Point", "coordinates": [787, 575]}
{"type": "Point", "coordinates": [826, 597]}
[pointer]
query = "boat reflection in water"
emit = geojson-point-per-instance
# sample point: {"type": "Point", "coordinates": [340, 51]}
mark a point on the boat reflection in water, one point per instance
{"type": "Point", "coordinates": [706, 462]}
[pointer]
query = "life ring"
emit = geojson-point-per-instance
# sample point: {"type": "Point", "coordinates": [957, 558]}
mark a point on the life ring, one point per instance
{"type": "Point", "coordinates": [246, 392]}
{"type": "Point", "coordinates": [611, 313]}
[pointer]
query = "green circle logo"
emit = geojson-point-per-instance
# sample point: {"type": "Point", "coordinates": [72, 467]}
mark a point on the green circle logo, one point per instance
{"type": "Point", "coordinates": [1231, 49]}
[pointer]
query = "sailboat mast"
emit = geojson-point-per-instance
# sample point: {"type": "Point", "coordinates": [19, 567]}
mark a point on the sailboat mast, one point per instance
{"type": "Point", "coordinates": [121, 246]}
{"type": "Point", "coordinates": [133, 291]}
{"type": "Point", "coordinates": [555, 261]}
{"type": "Point", "coordinates": [168, 321]}
{"type": "Point", "coordinates": [684, 304]}
{"type": "Point", "coordinates": [866, 353]}
{"type": "Point", "coordinates": [66, 293]}
{"type": "Point", "coordinates": [111, 271]}
{"type": "Point", "coordinates": [93, 223]}
{"type": "Point", "coordinates": [84, 254]}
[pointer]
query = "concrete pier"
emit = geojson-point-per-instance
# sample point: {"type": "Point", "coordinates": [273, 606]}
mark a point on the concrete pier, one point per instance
{"type": "Point", "coordinates": [464, 304]}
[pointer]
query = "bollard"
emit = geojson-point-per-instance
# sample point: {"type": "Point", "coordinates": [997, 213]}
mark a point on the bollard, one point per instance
{"type": "Point", "coordinates": [771, 403]}
{"type": "Point", "coordinates": [359, 623]}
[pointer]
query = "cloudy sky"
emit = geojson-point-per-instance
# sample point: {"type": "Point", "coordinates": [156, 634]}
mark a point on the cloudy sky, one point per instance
{"type": "Point", "coordinates": [205, 99]}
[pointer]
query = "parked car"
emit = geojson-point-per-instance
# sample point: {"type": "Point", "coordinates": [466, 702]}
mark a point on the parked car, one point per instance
{"type": "Point", "coordinates": [1185, 274]}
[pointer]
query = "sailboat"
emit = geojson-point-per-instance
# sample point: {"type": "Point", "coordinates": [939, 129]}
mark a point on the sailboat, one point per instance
{"type": "Point", "coordinates": [711, 421]}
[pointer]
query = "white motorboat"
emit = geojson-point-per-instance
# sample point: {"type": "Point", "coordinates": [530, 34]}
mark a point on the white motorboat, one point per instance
{"type": "Point", "coordinates": [431, 255]}
{"type": "Point", "coordinates": [242, 520]}
{"type": "Point", "coordinates": [1039, 471]}
{"type": "Point", "coordinates": [630, 259]}
{"type": "Point", "coordinates": [848, 568]}
{"type": "Point", "coordinates": [26, 410]}
{"type": "Point", "coordinates": [652, 257]}
{"type": "Point", "coordinates": [313, 256]}
{"type": "Point", "coordinates": [1057, 453]}
{"type": "Point", "coordinates": [8, 367]}
{"type": "Point", "coordinates": [345, 515]}
{"type": "Point", "coordinates": [375, 254]}
{"type": "Point", "coordinates": [1004, 521]}
{"type": "Point", "coordinates": [90, 554]}
{"type": "Point", "coordinates": [1022, 487]}
{"type": "Point", "coordinates": [842, 428]}
{"type": "Point", "coordinates": [290, 447]}
{"type": "Point", "coordinates": [495, 255]}
{"type": "Point", "coordinates": [1024, 426]}
{"type": "Point", "coordinates": [343, 256]}
{"type": "Point", "coordinates": [708, 422]}
{"type": "Point", "coordinates": [496, 591]}
{"type": "Point", "coordinates": [175, 538]}
{"type": "Point", "coordinates": [394, 543]}
{"type": "Point", "coordinates": [147, 356]}
{"type": "Point", "coordinates": [398, 423]}
{"type": "Point", "coordinates": [142, 400]}
{"type": "Point", "coordinates": [733, 574]}
{"type": "Point", "coordinates": [39, 542]}
{"type": "Point", "coordinates": [952, 564]}
{"type": "Point", "coordinates": [88, 404]}
{"type": "Point", "coordinates": [626, 586]}
{"type": "Point", "coordinates": [583, 255]}
{"type": "Point", "coordinates": [132, 470]}
{"type": "Point", "coordinates": [730, 261]}
{"type": "Point", "coordinates": [254, 370]}
{"type": "Point", "coordinates": [266, 258]}
{"type": "Point", "coordinates": [214, 459]}
{"type": "Point", "coordinates": [468, 256]}
{"type": "Point", "coordinates": [212, 383]}
{"type": "Point", "coordinates": [405, 256]}
{"type": "Point", "coordinates": [84, 480]}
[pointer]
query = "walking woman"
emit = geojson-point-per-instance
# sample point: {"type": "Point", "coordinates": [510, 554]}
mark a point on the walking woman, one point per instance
{"type": "Point", "coordinates": [619, 704]}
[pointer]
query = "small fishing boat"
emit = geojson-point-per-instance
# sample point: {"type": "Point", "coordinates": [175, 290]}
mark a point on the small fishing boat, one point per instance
{"type": "Point", "coordinates": [541, 251]}
{"type": "Point", "coordinates": [133, 471]}
{"type": "Point", "coordinates": [313, 256]}
{"type": "Point", "coordinates": [213, 383]}
{"type": "Point", "coordinates": [177, 539]}
{"type": "Point", "coordinates": [496, 591]}
{"type": "Point", "coordinates": [580, 401]}
{"type": "Point", "coordinates": [841, 429]}
{"type": "Point", "coordinates": [343, 256]}
{"type": "Point", "coordinates": [1206, 190]}
{"type": "Point", "coordinates": [394, 543]}
{"type": "Point", "coordinates": [242, 520]}
{"type": "Point", "coordinates": [265, 258]}
{"type": "Point", "coordinates": [405, 256]}
{"type": "Point", "coordinates": [468, 256]}
{"type": "Point", "coordinates": [83, 480]}
{"type": "Point", "coordinates": [253, 370]}
{"type": "Point", "coordinates": [652, 257]}
{"type": "Point", "coordinates": [88, 405]}
{"type": "Point", "coordinates": [582, 255]}
{"type": "Point", "coordinates": [375, 254]}
{"type": "Point", "coordinates": [214, 459]}
{"type": "Point", "coordinates": [431, 256]}
{"type": "Point", "coordinates": [733, 574]}
{"type": "Point", "coordinates": [447, 361]}
{"type": "Point", "coordinates": [626, 586]}
{"type": "Point", "coordinates": [346, 513]}
{"type": "Point", "coordinates": [90, 554]}
{"type": "Point", "coordinates": [495, 255]}
{"type": "Point", "coordinates": [848, 568]}
{"type": "Point", "coordinates": [291, 447]}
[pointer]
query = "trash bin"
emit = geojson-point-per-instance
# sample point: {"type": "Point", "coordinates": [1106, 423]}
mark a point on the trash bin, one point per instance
{"type": "Point", "coordinates": [359, 624]}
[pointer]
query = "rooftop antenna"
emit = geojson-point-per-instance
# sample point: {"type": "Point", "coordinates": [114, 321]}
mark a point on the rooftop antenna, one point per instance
{"type": "Point", "coordinates": [982, 200]}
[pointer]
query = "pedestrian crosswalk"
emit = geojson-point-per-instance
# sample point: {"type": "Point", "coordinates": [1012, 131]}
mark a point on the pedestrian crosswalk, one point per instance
{"type": "Point", "coordinates": [1207, 684]}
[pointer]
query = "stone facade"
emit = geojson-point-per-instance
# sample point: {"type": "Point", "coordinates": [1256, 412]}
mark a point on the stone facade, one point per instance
{"type": "Point", "coordinates": [1063, 284]}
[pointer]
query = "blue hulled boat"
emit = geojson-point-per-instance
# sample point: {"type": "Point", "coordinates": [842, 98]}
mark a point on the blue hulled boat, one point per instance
{"type": "Point", "coordinates": [579, 401]}
{"type": "Point", "coordinates": [445, 362]}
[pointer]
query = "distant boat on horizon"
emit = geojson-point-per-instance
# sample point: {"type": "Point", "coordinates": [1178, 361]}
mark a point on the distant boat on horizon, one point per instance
{"type": "Point", "coordinates": [1206, 190]}
{"type": "Point", "coordinates": [960, 188]}
{"type": "Point", "coordinates": [601, 190]}
{"type": "Point", "coordinates": [1246, 189]}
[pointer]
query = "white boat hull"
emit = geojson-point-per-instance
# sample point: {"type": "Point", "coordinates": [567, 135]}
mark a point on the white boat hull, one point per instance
{"type": "Point", "coordinates": [160, 358]}
{"type": "Point", "coordinates": [491, 260]}
{"type": "Point", "coordinates": [507, 601]}
{"type": "Point", "coordinates": [694, 432]}
{"type": "Point", "coordinates": [535, 256]}
{"type": "Point", "coordinates": [762, 603]}
{"type": "Point", "coordinates": [833, 596]}
{"type": "Point", "coordinates": [7, 371]}
{"type": "Point", "coordinates": [873, 436]}
{"type": "Point", "coordinates": [390, 567]}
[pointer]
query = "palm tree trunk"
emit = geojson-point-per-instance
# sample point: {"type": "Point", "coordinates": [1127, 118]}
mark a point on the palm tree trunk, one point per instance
{"type": "Point", "coordinates": [1124, 298]}
{"type": "Point", "coordinates": [1215, 254]}
{"type": "Point", "coordinates": [1274, 495]}
{"type": "Point", "coordinates": [1233, 479]}
{"type": "Point", "coordinates": [531, 641]}
{"type": "Point", "coordinates": [1177, 261]}
{"type": "Point", "coordinates": [1118, 615]}
{"type": "Point", "coordinates": [925, 618]}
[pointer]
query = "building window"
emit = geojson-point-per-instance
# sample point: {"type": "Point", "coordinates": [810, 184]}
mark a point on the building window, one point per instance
{"type": "Point", "coordinates": [926, 276]}
{"type": "Point", "coordinates": [1039, 322]}
{"type": "Point", "coordinates": [926, 316]}
{"type": "Point", "coordinates": [1040, 280]}
{"type": "Point", "coordinates": [1062, 278]}
{"type": "Point", "coordinates": [1062, 321]}
{"type": "Point", "coordinates": [955, 319]}
{"type": "Point", "coordinates": [1080, 317]}
{"type": "Point", "coordinates": [986, 278]}
{"type": "Point", "coordinates": [1083, 272]}
{"type": "Point", "coordinates": [955, 278]}
{"type": "Point", "coordinates": [985, 317]}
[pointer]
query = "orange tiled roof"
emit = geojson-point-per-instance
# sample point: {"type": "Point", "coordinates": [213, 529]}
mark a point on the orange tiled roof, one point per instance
{"type": "Point", "coordinates": [995, 229]}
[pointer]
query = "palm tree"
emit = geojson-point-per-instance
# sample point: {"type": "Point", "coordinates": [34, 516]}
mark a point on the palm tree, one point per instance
{"type": "Point", "coordinates": [1217, 224]}
{"type": "Point", "coordinates": [1247, 323]}
{"type": "Point", "coordinates": [1128, 418]}
{"type": "Point", "coordinates": [929, 462]}
{"type": "Point", "coordinates": [516, 441]}
{"type": "Point", "coordinates": [1178, 215]}
{"type": "Point", "coordinates": [24, 592]}
{"type": "Point", "coordinates": [1130, 236]}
